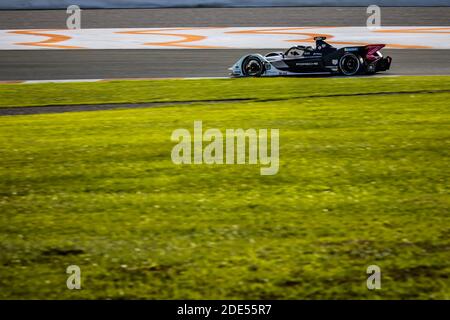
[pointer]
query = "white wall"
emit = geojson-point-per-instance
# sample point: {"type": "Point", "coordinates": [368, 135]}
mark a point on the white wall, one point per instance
{"type": "Point", "coordinates": [48, 4]}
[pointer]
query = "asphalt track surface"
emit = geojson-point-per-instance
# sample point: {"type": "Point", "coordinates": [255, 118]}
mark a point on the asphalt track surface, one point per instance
{"type": "Point", "coordinates": [110, 64]}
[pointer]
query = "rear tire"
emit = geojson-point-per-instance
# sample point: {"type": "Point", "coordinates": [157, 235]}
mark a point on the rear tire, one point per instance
{"type": "Point", "coordinates": [252, 66]}
{"type": "Point", "coordinates": [350, 64]}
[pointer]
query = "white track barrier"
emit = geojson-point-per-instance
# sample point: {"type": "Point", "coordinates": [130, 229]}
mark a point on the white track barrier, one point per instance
{"type": "Point", "coordinates": [61, 4]}
{"type": "Point", "coordinates": [223, 38]}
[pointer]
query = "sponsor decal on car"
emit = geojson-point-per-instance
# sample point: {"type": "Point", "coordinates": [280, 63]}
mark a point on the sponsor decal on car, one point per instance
{"type": "Point", "coordinates": [307, 64]}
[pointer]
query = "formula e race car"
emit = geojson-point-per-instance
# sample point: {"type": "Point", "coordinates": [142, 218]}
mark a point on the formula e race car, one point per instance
{"type": "Point", "coordinates": [324, 59]}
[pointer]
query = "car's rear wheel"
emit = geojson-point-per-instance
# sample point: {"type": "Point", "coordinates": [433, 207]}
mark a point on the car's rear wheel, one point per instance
{"type": "Point", "coordinates": [252, 67]}
{"type": "Point", "coordinates": [349, 64]}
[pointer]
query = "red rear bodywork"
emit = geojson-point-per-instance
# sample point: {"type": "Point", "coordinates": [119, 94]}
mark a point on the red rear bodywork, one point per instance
{"type": "Point", "coordinates": [374, 59]}
{"type": "Point", "coordinates": [372, 51]}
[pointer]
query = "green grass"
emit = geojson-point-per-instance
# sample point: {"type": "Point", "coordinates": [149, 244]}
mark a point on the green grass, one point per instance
{"type": "Point", "coordinates": [12, 95]}
{"type": "Point", "coordinates": [363, 180]}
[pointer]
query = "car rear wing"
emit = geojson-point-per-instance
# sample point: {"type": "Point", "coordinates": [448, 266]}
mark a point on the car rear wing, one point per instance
{"type": "Point", "coordinates": [371, 51]}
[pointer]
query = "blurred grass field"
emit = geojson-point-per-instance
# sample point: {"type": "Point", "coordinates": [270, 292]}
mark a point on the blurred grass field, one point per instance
{"type": "Point", "coordinates": [363, 180]}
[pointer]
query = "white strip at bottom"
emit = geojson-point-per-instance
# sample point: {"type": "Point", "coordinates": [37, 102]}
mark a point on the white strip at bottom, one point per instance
{"type": "Point", "coordinates": [199, 78]}
{"type": "Point", "coordinates": [104, 80]}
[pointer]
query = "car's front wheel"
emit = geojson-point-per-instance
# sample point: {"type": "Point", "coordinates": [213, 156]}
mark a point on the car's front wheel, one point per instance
{"type": "Point", "coordinates": [349, 64]}
{"type": "Point", "coordinates": [252, 67]}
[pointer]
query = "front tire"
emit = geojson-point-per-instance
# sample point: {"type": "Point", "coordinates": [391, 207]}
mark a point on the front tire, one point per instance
{"type": "Point", "coordinates": [350, 64]}
{"type": "Point", "coordinates": [252, 66]}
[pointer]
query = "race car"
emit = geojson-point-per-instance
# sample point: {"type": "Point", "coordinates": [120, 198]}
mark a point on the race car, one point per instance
{"type": "Point", "coordinates": [323, 59]}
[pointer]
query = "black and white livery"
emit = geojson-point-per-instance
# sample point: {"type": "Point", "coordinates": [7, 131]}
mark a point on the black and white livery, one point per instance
{"type": "Point", "coordinates": [323, 59]}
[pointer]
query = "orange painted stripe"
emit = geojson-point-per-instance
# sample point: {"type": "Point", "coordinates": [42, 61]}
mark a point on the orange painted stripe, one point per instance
{"type": "Point", "coordinates": [310, 37]}
{"type": "Point", "coordinates": [420, 30]}
{"type": "Point", "coordinates": [48, 43]}
{"type": "Point", "coordinates": [184, 42]}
